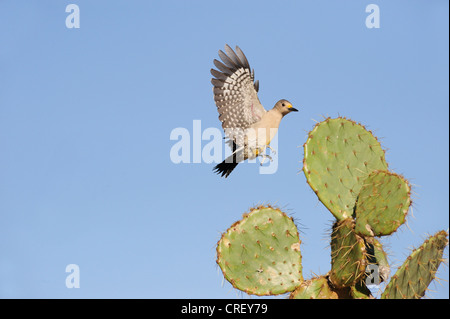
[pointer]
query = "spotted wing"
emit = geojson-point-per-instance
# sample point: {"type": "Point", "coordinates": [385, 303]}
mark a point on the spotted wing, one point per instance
{"type": "Point", "coordinates": [235, 94]}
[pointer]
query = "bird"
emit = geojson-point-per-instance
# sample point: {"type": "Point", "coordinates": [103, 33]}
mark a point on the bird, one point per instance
{"type": "Point", "coordinates": [248, 126]}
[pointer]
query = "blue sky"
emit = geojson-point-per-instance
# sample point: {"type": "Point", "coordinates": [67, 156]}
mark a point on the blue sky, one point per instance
{"type": "Point", "coordinates": [86, 115]}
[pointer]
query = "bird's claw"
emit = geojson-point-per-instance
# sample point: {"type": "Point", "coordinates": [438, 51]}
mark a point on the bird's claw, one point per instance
{"type": "Point", "coordinates": [264, 159]}
{"type": "Point", "coordinates": [272, 150]}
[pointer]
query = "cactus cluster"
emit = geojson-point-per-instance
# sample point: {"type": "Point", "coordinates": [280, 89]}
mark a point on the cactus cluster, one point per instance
{"type": "Point", "coordinates": [345, 166]}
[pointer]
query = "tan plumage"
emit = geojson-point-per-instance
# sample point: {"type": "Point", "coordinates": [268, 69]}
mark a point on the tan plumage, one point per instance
{"type": "Point", "coordinates": [247, 125]}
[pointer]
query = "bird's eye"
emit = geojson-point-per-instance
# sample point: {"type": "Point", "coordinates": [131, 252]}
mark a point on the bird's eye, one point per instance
{"type": "Point", "coordinates": [282, 104]}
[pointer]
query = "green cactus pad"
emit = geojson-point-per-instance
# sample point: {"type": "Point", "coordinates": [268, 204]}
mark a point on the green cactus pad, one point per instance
{"type": "Point", "coordinates": [413, 277]}
{"type": "Point", "coordinates": [321, 288]}
{"type": "Point", "coordinates": [339, 155]}
{"type": "Point", "coordinates": [260, 254]}
{"type": "Point", "coordinates": [377, 256]}
{"type": "Point", "coordinates": [382, 204]}
{"type": "Point", "coordinates": [348, 254]}
{"type": "Point", "coordinates": [316, 288]}
{"type": "Point", "coordinates": [360, 291]}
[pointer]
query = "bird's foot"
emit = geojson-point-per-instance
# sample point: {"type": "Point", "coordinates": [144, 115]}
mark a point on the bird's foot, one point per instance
{"type": "Point", "coordinates": [264, 156]}
{"type": "Point", "coordinates": [272, 150]}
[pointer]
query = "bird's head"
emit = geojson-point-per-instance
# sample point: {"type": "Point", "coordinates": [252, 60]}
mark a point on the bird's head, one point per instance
{"type": "Point", "coordinates": [285, 107]}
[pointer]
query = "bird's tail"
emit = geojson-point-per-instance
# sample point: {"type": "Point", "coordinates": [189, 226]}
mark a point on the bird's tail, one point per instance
{"type": "Point", "coordinates": [229, 164]}
{"type": "Point", "coordinates": [224, 169]}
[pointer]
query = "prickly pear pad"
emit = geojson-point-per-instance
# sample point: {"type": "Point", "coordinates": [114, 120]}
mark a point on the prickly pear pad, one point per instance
{"type": "Point", "coordinates": [348, 254]}
{"type": "Point", "coordinates": [419, 269]}
{"type": "Point", "coordinates": [316, 288]}
{"type": "Point", "coordinates": [339, 154]}
{"type": "Point", "coordinates": [260, 254]}
{"type": "Point", "coordinates": [377, 256]}
{"type": "Point", "coordinates": [382, 204]}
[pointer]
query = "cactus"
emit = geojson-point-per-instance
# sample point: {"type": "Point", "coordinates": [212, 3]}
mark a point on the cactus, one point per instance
{"type": "Point", "coordinates": [345, 166]}
{"type": "Point", "coordinates": [348, 254]}
{"type": "Point", "coordinates": [321, 288]}
{"type": "Point", "coordinates": [339, 155]}
{"type": "Point", "coordinates": [261, 253]}
{"type": "Point", "coordinates": [315, 288]}
{"type": "Point", "coordinates": [382, 204]}
{"type": "Point", "coordinates": [360, 291]}
{"type": "Point", "coordinates": [377, 256]}
{"type": "Point", "coordinates": [419, 269]}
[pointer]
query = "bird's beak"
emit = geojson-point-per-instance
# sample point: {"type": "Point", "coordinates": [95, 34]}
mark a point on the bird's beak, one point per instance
{"type": "Point", "coordinates": [293, 109]}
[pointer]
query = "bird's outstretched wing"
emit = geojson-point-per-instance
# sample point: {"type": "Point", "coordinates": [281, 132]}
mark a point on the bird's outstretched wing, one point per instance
{"type": "Point", "coordinates": [235, 94]}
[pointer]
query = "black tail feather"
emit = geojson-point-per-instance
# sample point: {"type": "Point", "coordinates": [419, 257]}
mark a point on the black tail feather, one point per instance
{"type": "Point", "coordinates": [228, 165]}
{"type": "Point", "coordinates": [224, 168]}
